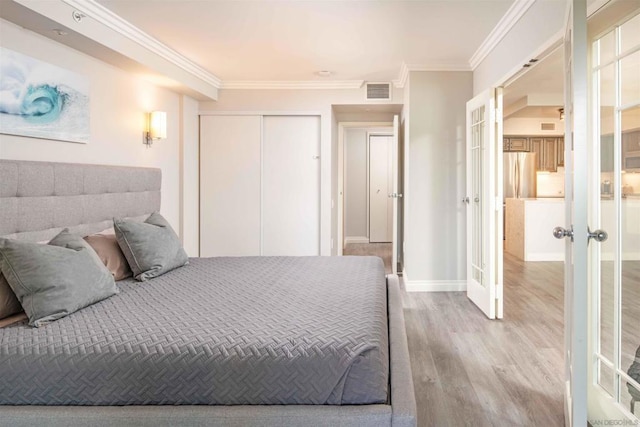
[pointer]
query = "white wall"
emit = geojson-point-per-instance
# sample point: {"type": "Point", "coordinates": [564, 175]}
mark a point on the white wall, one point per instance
{"type": "Point", "coordinates": [435, 224]}
{"type": "Point", "coordinates": [312, 102]}
{"type": "Point", "coordinates": [189, 166]}
{"type": "Point", "coordinates": [118, 104]}
{"type": "Point", "coordinates": [531, 126]}
{"type": "Point", "coordinates": [540, 27]}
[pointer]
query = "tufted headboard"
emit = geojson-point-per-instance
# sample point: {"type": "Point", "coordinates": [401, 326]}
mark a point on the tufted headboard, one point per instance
{"type": "Point", "coordinates": [38, 199]}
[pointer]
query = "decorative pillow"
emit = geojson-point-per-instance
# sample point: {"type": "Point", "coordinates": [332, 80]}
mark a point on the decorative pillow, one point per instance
{"type": "Point", "coordinates": [151, 247]}
{"type": "Point", "coordinates": [9, 304]}
{"type": "Point", "coordinates": [7, 321]}
{"type": "Point", "coordinates": [106, 246]}
{"type": "Point", "coordinates": [54, 280]}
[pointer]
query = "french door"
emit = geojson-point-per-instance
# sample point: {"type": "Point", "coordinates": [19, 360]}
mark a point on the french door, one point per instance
{"type": "Point", "coordinates": [614, 386]}
{"type": "Point", "coordinates": [484, 202]}
{"type": "Point", "coordinates": [575, 229]}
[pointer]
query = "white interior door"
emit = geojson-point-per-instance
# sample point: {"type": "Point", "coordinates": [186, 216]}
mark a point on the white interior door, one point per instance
{"type": "Point", "coordinates": [291, 185]}
{"type": "Point", "coordinates": [484, 206]}
{"type": "Point", "coordinates": [380, 189]}
{"type": "Point", "coordinates": [229, 185]}
{"type": "Point", "coordinates": [575, 228]}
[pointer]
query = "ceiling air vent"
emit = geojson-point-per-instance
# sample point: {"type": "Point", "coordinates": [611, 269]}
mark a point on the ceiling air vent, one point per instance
{"type": "Point", "coordinates": [378, 91]}
{"type": "Point", "coordinates": [547, 126]}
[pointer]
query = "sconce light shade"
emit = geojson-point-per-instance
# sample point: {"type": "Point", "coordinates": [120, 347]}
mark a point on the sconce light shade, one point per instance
{"type": "Point", "coordinates": [156, 126]}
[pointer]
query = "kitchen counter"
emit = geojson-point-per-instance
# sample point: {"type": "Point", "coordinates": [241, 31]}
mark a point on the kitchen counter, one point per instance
{"type": "Point", "coordinates": [529, 224]}
{"type": "Point", "coordinates": [528, 228]}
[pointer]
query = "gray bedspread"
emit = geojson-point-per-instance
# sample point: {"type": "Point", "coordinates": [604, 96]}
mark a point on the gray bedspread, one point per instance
{"type": "Point", "coordinates": [228, 331]}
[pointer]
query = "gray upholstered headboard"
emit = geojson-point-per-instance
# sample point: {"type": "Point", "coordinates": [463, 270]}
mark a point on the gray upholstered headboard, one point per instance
{"type": "Point", "coordinates": [38, 199]}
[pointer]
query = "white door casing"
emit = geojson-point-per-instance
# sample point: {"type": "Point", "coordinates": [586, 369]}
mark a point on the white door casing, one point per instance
{"type": "Point", "coordinates": [380, 188]}
{"type": "Point", "coordinates": [484, 205]}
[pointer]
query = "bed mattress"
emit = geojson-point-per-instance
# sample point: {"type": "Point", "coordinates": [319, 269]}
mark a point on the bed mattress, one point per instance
{"type": "Point", "coordinates": [219, 331]}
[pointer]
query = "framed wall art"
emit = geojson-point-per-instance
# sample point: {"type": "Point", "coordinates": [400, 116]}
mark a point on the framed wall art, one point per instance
{"type": "Point", "coordinates": [41, 100]}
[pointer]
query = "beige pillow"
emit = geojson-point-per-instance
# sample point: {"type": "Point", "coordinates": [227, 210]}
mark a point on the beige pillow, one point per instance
{"type": "Point", "coordinates": [108, 250]}
{"type": "Point", "coordinates": [9, 304]}
{"type": "Point", "coordinates": [20, 317]}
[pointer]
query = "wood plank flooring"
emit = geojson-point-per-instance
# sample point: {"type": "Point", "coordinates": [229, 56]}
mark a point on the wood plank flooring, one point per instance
{"type": "Point", "coordinates": [470, 371]}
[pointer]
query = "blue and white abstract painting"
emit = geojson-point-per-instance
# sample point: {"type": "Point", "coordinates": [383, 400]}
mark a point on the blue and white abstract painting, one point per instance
{"type": "Point", "coordinates": [41, 100]}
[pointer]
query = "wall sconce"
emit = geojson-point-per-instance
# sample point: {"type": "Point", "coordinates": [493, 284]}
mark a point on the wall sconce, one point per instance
{"type": "Point", "coordinates": [156, 127]}
{"type": "Point", "coordinates": [561, 111]}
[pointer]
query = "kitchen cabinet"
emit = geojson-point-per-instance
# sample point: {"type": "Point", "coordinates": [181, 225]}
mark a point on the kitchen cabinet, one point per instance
{"type": "Point", "coordinates": [560, 151]}
{"type": "Point", "coordinates": [630, 142]}
{"type": "Point", "coordinates": [546, 153]}
{"type": "Point", "coordinates": [550, 154]}
{"type": "Point", "coordinates": [515, 144]}
{"type": "Point", "coordinates": [549, 150]}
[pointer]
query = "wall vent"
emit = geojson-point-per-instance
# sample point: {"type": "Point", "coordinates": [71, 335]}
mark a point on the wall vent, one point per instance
{"type": "Point", "coordinates": [547, 126]}
{"type": "Point", "coordinates": [378, 91]}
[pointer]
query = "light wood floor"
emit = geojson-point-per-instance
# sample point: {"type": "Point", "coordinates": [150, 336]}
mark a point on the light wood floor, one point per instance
{"type": "Point", "coordinates": [470, 371]}
{"type": "Point", "coordinates": [382, 250]}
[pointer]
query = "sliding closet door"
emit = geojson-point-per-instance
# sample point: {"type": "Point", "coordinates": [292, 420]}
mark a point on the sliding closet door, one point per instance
{"type": "Point", "coordinates": [291, 185]}
{"type": "Point", "coordinates": [229, 185]}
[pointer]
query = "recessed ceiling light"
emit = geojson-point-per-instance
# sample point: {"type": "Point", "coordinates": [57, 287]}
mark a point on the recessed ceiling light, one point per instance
{"type": "Point", "coordinates": [60, 32]}
{"type": "Point", "coordinates": [324, 73]}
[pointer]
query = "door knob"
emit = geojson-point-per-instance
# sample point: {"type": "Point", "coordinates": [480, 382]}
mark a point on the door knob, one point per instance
{"type": "Point", "coordinates": [598, 235]}
{"type": "Point", "coordinates": [561, 233]}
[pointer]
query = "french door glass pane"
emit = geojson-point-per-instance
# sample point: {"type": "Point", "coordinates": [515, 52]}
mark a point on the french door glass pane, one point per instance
{"type": "Point", "coordinates": [630, 76]}
{"type": "Point", "coordinates": [617, 81]}
{"type": "Point", "coordinates": [607, 48]}
{"type": "Point", "coordinates": [630, 34]}
{"type": "Point", "coordinates": [605, 377]}
{"type": "Point", "coordinates": [477, 146]}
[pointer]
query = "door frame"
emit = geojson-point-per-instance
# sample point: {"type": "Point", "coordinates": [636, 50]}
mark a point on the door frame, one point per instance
{"type": "Point", "coordinates": [342, 126]}
{"type": "Point", "coordinates": [594, 407]}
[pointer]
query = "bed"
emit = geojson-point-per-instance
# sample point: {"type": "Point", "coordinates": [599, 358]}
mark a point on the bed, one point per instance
{"type": "Point", "coordinates": [323, 343]}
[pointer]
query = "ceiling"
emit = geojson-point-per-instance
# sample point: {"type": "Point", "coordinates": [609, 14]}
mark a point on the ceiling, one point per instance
{"type": "Point", "coordinates": [547, 76]}
{"type": "Point", "coordinates": [292, 40]}
{"type": "Point", "coordinates": [537, 93]}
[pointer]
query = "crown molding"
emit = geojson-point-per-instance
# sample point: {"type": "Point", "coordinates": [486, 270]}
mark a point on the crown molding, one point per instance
{"type": "Point", "coordinates": [405, 69]}
{"type": "Point", "coordinates": [300, 84]}
{"type": "Point", "coordinates": [403, 76]}
{"type": "Point", "coordinates": [101, 14]}
{"type": "Point", "coordinates": [510, 18]}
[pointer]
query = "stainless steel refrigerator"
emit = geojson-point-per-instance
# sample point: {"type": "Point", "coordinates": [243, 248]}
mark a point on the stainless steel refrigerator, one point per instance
{"type": "Point", "coordinates": [520, 175]}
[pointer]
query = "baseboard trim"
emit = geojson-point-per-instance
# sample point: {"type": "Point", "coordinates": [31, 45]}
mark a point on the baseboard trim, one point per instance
{"type": "Point", "coordinates": [356, 239]}
{"type": "Point", "coordinates": [436, 285]}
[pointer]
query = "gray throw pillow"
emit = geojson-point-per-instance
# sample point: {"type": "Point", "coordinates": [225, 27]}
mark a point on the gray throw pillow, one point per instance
{"type": "Point", "coordinates": [52, 281]}
{"type": "Point", "coordinates": [152, 248]}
